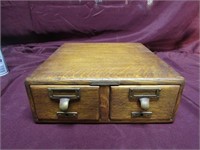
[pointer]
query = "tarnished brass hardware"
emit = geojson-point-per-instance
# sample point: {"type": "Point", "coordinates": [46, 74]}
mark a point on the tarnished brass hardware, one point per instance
{"type": "Point", "coordinates": [71, 93]}
{"type": "Point", "coordinates": [63, 96]}
{"type": "Point", "coordinates": [73, 115]}
{"type": "Point", "coordinates": [105, 83]}
{"type": "Point", "coordinates": [144, 96]}
{"type": "Point", "coordinates": [141, 114]}
{"type": "Point", "coordinates": [134, 94]}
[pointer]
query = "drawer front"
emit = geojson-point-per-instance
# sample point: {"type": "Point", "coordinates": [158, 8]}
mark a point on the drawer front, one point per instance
{"type": "Point", "coordinates": [126, 102]}
{"type": "Point", "coordinates": [83, 102]}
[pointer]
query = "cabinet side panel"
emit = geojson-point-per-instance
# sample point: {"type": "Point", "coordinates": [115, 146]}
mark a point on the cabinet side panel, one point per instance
{"type": "Point", "coordinates": [31, 102]}
{"type": "Point", "coordinates": [178, 100]}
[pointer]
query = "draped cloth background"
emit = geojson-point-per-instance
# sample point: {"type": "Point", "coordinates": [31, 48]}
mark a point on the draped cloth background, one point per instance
{"type": "Point", "coordinates": [32, 30]}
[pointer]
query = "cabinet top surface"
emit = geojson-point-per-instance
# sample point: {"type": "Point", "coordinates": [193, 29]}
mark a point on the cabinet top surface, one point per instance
{"type": "Point", "coordinates": [84, 63]}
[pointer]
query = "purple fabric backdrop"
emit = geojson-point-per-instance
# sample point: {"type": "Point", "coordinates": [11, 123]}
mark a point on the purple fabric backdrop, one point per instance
{"type": "Point", "coordinates": [171, 29]}
{"type": "Point", "coordinates": [165, 25]}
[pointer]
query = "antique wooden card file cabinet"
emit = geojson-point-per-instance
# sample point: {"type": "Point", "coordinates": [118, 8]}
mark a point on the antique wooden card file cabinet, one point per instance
{"type": "Point", "coordinates": [104, 83]}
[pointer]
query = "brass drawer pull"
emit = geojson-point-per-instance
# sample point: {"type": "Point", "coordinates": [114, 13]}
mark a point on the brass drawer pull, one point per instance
{"type": "Point", "coordinates": [144, 101]}
{"type": "Point", "coordinates": [64, 104]}
{"type": "Point", "coordinates": [63, 96]}
{"type": "Point", "coordinates": [71, 93]}
{"type": "Point", "coordinates": [144, 96]}
{"type": "Point", "coordinates": [141, 114]}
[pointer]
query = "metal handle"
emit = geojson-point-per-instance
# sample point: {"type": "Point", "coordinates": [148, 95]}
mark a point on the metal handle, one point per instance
{"type": "Point", "coordinates": [64, 104]}
{"type": "Point", "coordinates": [63, 96]}
{"type": "Point", "coordinates": [144, 101]}
{"type": "Point", "coordinates": [144, 96]}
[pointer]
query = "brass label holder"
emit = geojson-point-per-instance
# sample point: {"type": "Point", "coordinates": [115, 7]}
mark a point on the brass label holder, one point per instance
{"type": "Point", "coordinates": [64, 96]}
{"type": "Point", "coordinates": [135, 94]}
{"type": "Point", "coordinates": [144, 96]}
{"type": "Point", "coordinates": [71, 93]}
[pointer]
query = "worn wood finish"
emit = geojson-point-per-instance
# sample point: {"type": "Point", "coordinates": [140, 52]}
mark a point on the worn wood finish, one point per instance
{"type": "Point", "coordinates": [104, 103]}
{"type": "Point", "coordinates": [85, 63]}
{"type": "Point", "coordinates": [87, 107]}
{"type": "Point", "coordinates": [121, 106]}
{"type": "Point", "coordinates": [104, 72]}
{"type": "Point", "coordinates": [178, 100]}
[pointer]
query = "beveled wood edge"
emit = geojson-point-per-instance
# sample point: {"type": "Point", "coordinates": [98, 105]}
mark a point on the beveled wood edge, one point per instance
{"type": "Point", "coordinates": [135, 81]}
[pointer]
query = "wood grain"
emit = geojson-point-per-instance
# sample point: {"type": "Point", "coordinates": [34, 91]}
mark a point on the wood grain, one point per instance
{"type": "Point", "coordinates": [87, 107]}
{"type": "Point", "coordinates": [95, 68]}
{"type": "Point", "coordinates": [85, 63]}
{"type": "Point", "coordinates": [104, 102]}
{"type": "Point", "coordinates": [163, 108]}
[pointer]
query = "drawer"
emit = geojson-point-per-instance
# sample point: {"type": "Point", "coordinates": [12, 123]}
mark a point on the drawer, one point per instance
{"type": "Point", "coordinates": [78, 102]}
{"type": "Point", "coordinates": [126, 102]}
